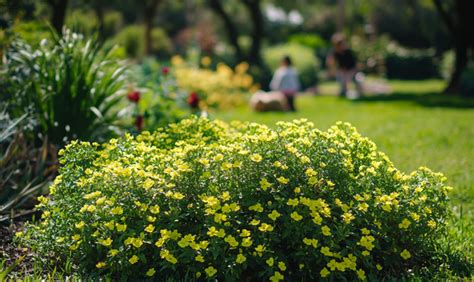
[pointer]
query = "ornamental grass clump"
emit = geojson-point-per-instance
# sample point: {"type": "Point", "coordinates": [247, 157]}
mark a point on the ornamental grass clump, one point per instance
{"type": "Point", "coordinates": [204, 199]}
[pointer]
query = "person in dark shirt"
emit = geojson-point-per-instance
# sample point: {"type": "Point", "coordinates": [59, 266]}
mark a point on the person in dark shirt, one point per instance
{"type": "Point", "coordinates": [343, 59]}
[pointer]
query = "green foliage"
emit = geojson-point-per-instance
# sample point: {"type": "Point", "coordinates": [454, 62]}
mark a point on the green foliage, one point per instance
{"type": "Point", "coordinates": [82, 22]}
{"type": "Point", "coordinates": [132, 38]}
{"type": "Point", "coordinates": [161, 102]}
{"type": "Point", "coordinates": [113, 22]}
{"type": "Point", "coordinates": [24, 169]}
{"type": "Point", "coordinates": [467, 82]}
{"type": "Point", "coordinates": [402, 63]}
{"type": "Point", "coordinates": [70, 87]}
{"type": "Point", "coordinates": [371, 54]}
{"type": "Point", "coordinates": [303, 60]}
{"type": "Point", "coordinates": [206, 199]}
{"type": "Point", "coordinates": [312, 41]}
{"type": "Point", "coordinates": [32, 32]}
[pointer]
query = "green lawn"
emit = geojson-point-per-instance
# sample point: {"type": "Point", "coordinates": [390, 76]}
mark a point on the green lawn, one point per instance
{"type": "Point", "coordinates": [415, 126]}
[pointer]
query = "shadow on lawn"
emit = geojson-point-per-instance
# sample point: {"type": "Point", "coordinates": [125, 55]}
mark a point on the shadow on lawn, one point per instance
{"type": "Point", "coordinates": [431, 99]}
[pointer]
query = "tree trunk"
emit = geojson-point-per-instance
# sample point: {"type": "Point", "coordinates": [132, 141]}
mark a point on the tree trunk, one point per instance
{"type": "Point", "coordinates": [99, 11]}
{"type": "Point", "coordinates": [463, 38]}
{"type": "Point", "coordinates": [253, 7]}
{"type": "Point", "coordinates": [231, 30]}
{"type": "Point", "coordinates": [149, 16]}
{"type": "Point", "coordinates": [59, 13]}
{"type": "Point", "coordinates": [341, 15]}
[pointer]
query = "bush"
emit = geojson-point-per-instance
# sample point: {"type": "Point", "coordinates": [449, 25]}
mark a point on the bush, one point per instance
{"type": "Point", "coordinates": [24, 169]}
{"type": "Point", "coordinates": [161, 101]}
{"type": "Point", "coordinates": [113, 22]}
{"type": "Point", "coordinates": [402, 63]}
{"type": "Point", "coordinates": [240, 202]}
{"type": "Point", "coordinates": [222, 88]}
{"type": "Point", "coordinates": [313, 41]}
{"type": "Point", "coordinates": [132, 38]}
{"type": "Point", "coordinates": [69, 87]}
{"type": "Point", "coordinates": [371, 53]}
{"type": "Point", "coordinates": [303, 60]}
{"type": "Point", "coordinates": [83, 22]}
{"type": "Point", "coordinates": [467, 82]}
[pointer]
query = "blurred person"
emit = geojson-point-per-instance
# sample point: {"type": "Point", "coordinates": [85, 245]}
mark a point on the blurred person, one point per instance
{"type": "Point", "coordinates": [286, 81]}
{"type": "Point", "coordinates": [342, 62]}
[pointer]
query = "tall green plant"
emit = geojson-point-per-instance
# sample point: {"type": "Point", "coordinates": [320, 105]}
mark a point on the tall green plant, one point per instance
{"type": "Point", "coordinates": [24, 169]}
{"type": "Point", "coordinates": [70, 86]}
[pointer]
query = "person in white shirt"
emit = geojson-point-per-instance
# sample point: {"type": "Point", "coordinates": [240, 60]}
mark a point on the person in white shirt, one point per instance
{"type": "Point", "coordinates": [286, 81]}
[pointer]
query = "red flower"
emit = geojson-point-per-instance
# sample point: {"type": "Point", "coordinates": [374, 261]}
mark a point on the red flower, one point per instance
{"type": "Point", "coordinates": [139, 122]}
{"type": "Point", "coordinates": [193, 100]}
{"type": "Point", "coordinates": [134, 96]}
{"type": "Point", "coordinates": [165, 70]}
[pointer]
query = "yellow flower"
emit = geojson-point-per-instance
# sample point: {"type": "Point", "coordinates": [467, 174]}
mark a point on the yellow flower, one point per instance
{"type": "Point", "coordinates": [264, 184]}
{"type": "Point", "coordinates": [296, 216]}
{"type": "Point", "coordinates": [206, 61]}
{"type": "Point", "coordinates": [404, 224]}
{"type": "Point", "coordinates": [137, 242]}
{"type": "Point", "coordinates": [113, 252]}
{"type": "Point", "coordinates": [244, 233]}
{"type": "Point", "coordinates": [147, 184]}
{"type": "Point", "coordinates": [325, 251]}
{"type": "Point", "coordinates": [100, 201]}
{"type": "Point", "coordinates": [246, 242]}
{"type": "Point", "coordinates": [310, 172]}
{"type": "Point", "coordinates": [121, 227]}
{"type": "Point", "coordinates": [311, 242]}
{"type": "Point", "coordinates": [282, 266]}
{"type": "Point", "coordinates": [155, 209]}
{"type": "Point", "coordinates": [256, 158]}
{"type": "Point", "coordinates": [270, 261]}
{"type": "Point", "coordinates": [265, 227]}
{"type": "Point", "coordinates": [348, 217]}
{"type": "Point", "coordinates": [92, 195]}
{"type": "Point", "coordinates": [150, 272]}
{"type": "Point", "coordinates": [274, 215]}
{"type": "Point", "coordinates": [257, 207]}
{"type": "Point", "coordinates": [405, 254]}
{"type": "Point", "coordinates": [277, 276]}
{"type": "Point", "coordinates": [324, 272]}
{"type": "Point", "coordinates": [117, 211]}
{"type": "Point", "coordinates": [292, 202]}
{"type": "Point", "coordinates": [361, 274]}
{"type": "Point", "coordinates": [365, 231]}
{"type": "Point", "coordinates": [240, 259]}
{"type": "Point", "coordinates": [107, 242]}
{"type": "Point", "coordinates": [199, 258]}
{"type": "Point", "coordinates": [80, 225]}
{"type": "Point", "coordinates": [379, 267]}
{"type": "Point", "coordinates": [134, 259]}
{"type": "Point", "coordinates": [283, 180]}
{"type": "Point", "coordinates": [210, 271]}
{"type": "Point", "coordinates": [326, 231]}
{"type": "Point", "coordinates": [255, 222]}
{"type": "Point", "coordinates": [260, 249]}
{"type": "Point", "coordinates": [100, 264]}
{"type": "Point", "coordinates": [150, 228]}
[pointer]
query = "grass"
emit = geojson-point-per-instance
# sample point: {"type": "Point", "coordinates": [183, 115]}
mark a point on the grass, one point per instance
{"type": "Point", "coordinates": [415, 126]}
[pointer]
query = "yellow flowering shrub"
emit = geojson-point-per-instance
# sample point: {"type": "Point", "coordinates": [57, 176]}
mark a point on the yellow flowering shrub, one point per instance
{"type": "Point", "coordinates": [204, 199]}
{"type": "Point", "coordinates": [222, 88]}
